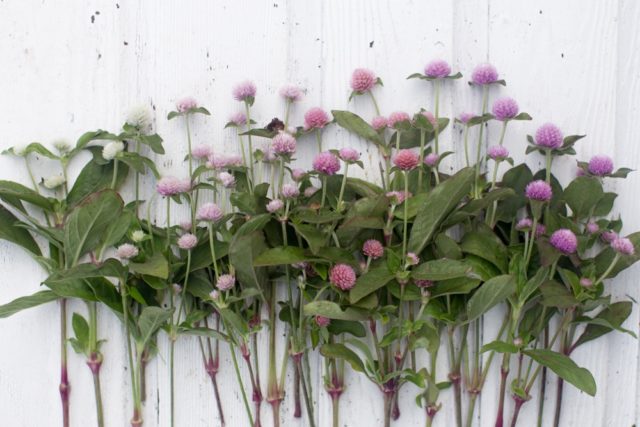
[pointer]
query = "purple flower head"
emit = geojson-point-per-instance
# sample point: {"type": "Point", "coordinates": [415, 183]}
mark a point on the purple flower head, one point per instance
{"type": "Point", "coordinates": [201, 151]}
{"type": "Point", "coordinates": [538, 190]}
{"type": "Point", "coordinates": [564, 240]}
{"type": "Point", "coordinates": [484, 74]}
{"type": "Point", "coordinates": [187, 241]}
{"type": "Point", "coordinates": [290, 191]}
{"type": "Point", "coordinates": [524, 224]}
{"type": "Point", "coordinates": [600, 165]}
{"type": "Point", "coordinates": [275, 205]}
{"type": "Point", "coordinates": [609, 236]}
{"type": "Point", "coordinates": [540, 230]}
{"type": "Point", "coordinates": [238, 119]}
{"type": "Point", "coordinates": [244, 91]}
{"type": "Point", "coordinates": [291, 93]}
{"type": "Point", "coordinates": [406, 159]}
{"type": "Point", "coordinates": [412, 258]}
{"type": "Point", "coordinates": [373, 248]}
{"type": "Point", "coordinates": [349, 155]}
{"type": "Point", "coordinates": [465, 117]}
{"type": "Point", "coordinates": [549, 136]}
{"type": "Point", "coordinates": [315, 118]}
{"type": "Point", "coordinates": [298, 174]}
{"type": "Point", "coordinates": [322, 321]}
{"type": "Point", "coordinates": [398, 117]}
{"type": "Point", "coordinates": [423, 283]}
{"type": "Point", "coordinates": [379, 123]}
{"type": "Point", "coordinates": [225, 282]}
{"type": "Point", "coordinates": [227, 180]}
{"type": "Point", "coordinates": [505, 108]}
{"type": "Point", "coordinates": [586, 282]}
{"type": "Point", "coordinates": [592, 227]}
{"type": "Point", "coordinates": [209, 212]}
{"type": "Point", "coordinates": [431, 159]}
{"type": "Point", "coordinates": [498, 152]}
{"type": "Point", "coordinates": [437, 69]}
{"type": "Point", "coordinates": [310, 191]}
{"type": "Point", "coordinates": [326, 163]}
{"type": "Point", "coordinates": [283, 144]}
{"type": "Point", "coordinates": [126, 251]}
{"type": "Point", "coordinates": [363, 80]}
{"type": "Point", "coordinates": [186, 104]}
{"type": "Point", "coordinates": [169, 186]}
{"type": "Point", "coordinates": [342, 276]}
{"type": "Point", "coordinates": [623, 246]}
{"type": "Point", "coordinates": [397, 197]}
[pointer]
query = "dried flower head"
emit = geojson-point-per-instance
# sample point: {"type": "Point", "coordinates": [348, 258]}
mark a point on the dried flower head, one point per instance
{"type": "Point", "coordinates": [225, 282]}
{"type": "Point", "coordinates": [283, 144]}
{"type": "Point", "coordinates": [412, 258]}
{"type": "Point", "coordinates": [497, 152]}
{"type": "Point", "coordinates": [290, 191]}
{"type": "Point", "coordinates": [53, 182]}
{"type": "Point", "coordinates": [524, 224]}
{"type": "Point", "coordinates": [275, 205]}
{"type": "Point", "coordinates": [609, 236]}
{"type": "Point", "coordinates": [623, 246]}
{"type": "Point", "coordinates": [185, 105]}
{"type": "Point", "coordinates": [379, 123]}
{"type": "Point", "coordinates": [349, 155]}
{"type": "Point", "coordinates": [538, 190]}
{"type": "Point", "coordinates": [465, 117]}
{"type": "Point", "coordinates": [322, 321]}
{"type": "Point", "coordinates": [112, 149]}
{"type": "Point", "coordinates": [138, 236]}
{"type": "Point", "coordinates": [140, 117]}
{"type": "Point", "coordinates": [398, 117]}
{"type": "Point", "coordinates": [431, 159]}
{"type": "Point", "coordinates": [592, 227]}
{"type": "Point", "coordinates": [291, 93]}
{"type": "Point", "coordinates": [600, 165]}
{"type": "Point", "coordinates": [484, 74]}
{"type": "Point", "coordinates": [397, 197]}
{"type": "Point", "coordinates": [227, 179]}
{"type": "Point", "coordinates": [244, 91]}
{"type": "Point", "coordinates": [126, 251]}
{"type": "Point", "coordinates": [298, 174]}
{"type": "Point", "coordinates": [238, 119]}
{"type": "Point", "coordinates": [209, 212]}
{"type": "Point", "coordinates": [201, 151]}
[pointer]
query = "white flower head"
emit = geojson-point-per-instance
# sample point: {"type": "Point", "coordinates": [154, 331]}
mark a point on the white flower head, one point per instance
{"type": "Point", "coordinates": [111, 150]}
{"type": "Point", "coordinates": [19, 150]}
{"type": "Point", "coordinates": [54, 182]}
{"type": "Point", "coordinates": [140, 117]}
{"type": "Point", "coordinates": [138, 236]}
{"type": "Point", "coordinates": [62, 145]}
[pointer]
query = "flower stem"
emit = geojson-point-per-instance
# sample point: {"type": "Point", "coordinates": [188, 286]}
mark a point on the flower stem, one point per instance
{"type": "Point", "coordinates": [248, 113]}
{"type": "Point", "coordinates": [239, 377]}
{"type": "Point", "coordinates": [319, 139]}
{"type": "Point", "coordinates": [342, 187]}
{"type": "Point", "coordinates": [213, 252]}
{"type": "Point", "coordinates": [168, 222]}
{"type": "Point", "coordinates": [436, 129]}
{"type": "Point", "coordinates": [114, 180]}
{"type": "Point", "coordinates": [64, 387]}
{"type": "Point", "coordinates": [98, 394]}
{"type": "Point", "coordinates": [186, 119]}
{"type": "Point", "coordinates": [548, 159]}
{"type": "Point", "coordinates": [324, 190]}
{"type": "Point", "coordinates": [335, 410]}
{"type": "Point", "coordinates": [485, 96]}
{"type": "Point", "coordinates": [405, 220]}
{"type": "Point", "coordinates": [375, 103]}
{"type": "Point", "coordinates": [466, 145]}
{"type": "Point", "coordinates": [421, 162]}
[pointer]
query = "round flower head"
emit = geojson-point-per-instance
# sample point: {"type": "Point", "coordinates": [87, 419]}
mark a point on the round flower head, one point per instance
{"type": "Point", "coordinates": [225, 282]}
{"type": "Point", "coordinates": [275, 205]}
{"type": "Point", "coordinates": [373, 249]}
{"type": "Point", "coordinates": [379, 123]}
{"type": "Point", "coordinates": [623, 246]}
{"type": "Point", "coordinates": [406, 160]}
{"type": "Point", "coordinates": [112, 149]}
{"type": "Point", "coordinates": [298, 174]}
{"type": "Point", "coordinates": [322, 321]}
{"type": "Point", "coordinates": [201, 152]}
{"type": "Point", "coordinates": [62, 145]}
{"type": "Point", "coordinates": [290, 191]}
{"type": "Point", "coordinates": [342, 276]}
{"type": "Point", "coordinates": [140, 117]}
{"type": "Point", "coordinates": [549, 136]}
{"type": "Point", "coordinates": [184, 185]}
{"type": "Point", "coordinates": [19, 150]}
{"type": "Point", "coordinates": [423, 283]}
{"type": "Point", "coordinates": [234, 160]}
{"type": "Point", "coordinates": [564, 240]}
{"type": "Point", "coordinates": [398, 117]}
{"type": "Point", "coordinates": [283, 144]}
{"type": "Point", "coordinates": [187, 241]}
{"type": "Point", "coordinates": [431, 118]}
{"type": "Point", "coordinates": [214, 294]}
{"type": "Point", "coordinates": [186, 225]}
{"type": "Point", "coordinates": [437, 69]}
{"type": "Point", "coordinates": [586, 282]}
{"type": "Point", "coordinates": [169, 186]}
{"type": "Point", "coordinates": [592, 227]}
{"type": "Point", "coordinates": [538, 190]}
{"type": "Point", "coordinates": [216, 161]}
{"type": "Point", "coordinates": [363, 80]}
{"type": "Point", "coordinates": [291, 93]}
{"type": "Point", "coordinates": [524, 224]}
{"type": "Point", "coordinates": [326, 163]}
{"type": "Point", "coordinates": [397, 197]}
{"type": "Point", "coordinates": [186, 104]}
{"type": "Point", "coordinates": [315, 118]}
{"type": "Point", "coordinates": [431, 159]}
{"type": "Point", "coordinates": [505, 109]}
{"type": "Point", "coordinates": [138, 236]}
{"type": "Point", "coordinates": [244, 91]}
{"type": "Point", "coordinates": [498, 152]}
{"type": "Point", "coordinates": [310, 191]}
{"type": "Point", "coordinates": [609, 236]}
{"type": "Point", "coordinates": [238, 119]}
{"type": "Point", "coordinates": [484, 74]}
{"type": "Point", "coordinates": [540, 230]}
{"type": "Point", "coordinates": [126, 251]}
{"type": "Point", "coordinates": [412, 258]}
{"type": "Point", "coordinates": [228, 180]}
{"type": "Point", "coordinates": [465, 117]}
{"type": "Point", "coordinates": [600, 165]}
{"type": "Point", "coordinates": [54, 182]}
{"type": "Point", "coordinates": [349, 155]}
{"type": "Point", "coordinates": [209, 212]}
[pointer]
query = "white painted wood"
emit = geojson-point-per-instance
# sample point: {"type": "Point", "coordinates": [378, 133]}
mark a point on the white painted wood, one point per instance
{"type": "Point", "coordinates": [69, 67]}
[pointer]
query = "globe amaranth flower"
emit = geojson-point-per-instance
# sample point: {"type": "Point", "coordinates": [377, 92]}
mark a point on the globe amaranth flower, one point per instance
{"type": "Point", "coordinates": [62, 145]}
{"type": "Point", "coordinates": [609, 236]}
{"type": "Point", "coordinates": [412, 258]}
{"type": "Point", "coordinates": [227, 179]}
{"type": "Point", "coordinates": [524, 224]}
{"type": "Point", "coordinates": [538, 190]}
{"type": "Point", "coordinates": [397, 197]}
{"type": "Point", "coordinates": [209, 212]}
{"type": "Point", "coordinates": [349, 155]}
{"type": "Point", "coordinates": [465, 117]}
{"type": "Point", "coordinates": [112, 149]}
{"type": "Point", "coordinates": [586, 282]}
{"type": "Point", "coordinates": [187, 241]}
{"type": "Point", "coordinates": [315, 118]}
{"type": "Point", "coordinates": [540, 229]}
{"type": "Point", "coordinates": [185, 104]}
{"type": "Point", "coordinates": [431, 118]}
{"type": "Point", "coordinates": [177, 288]}
{"type": "Point", "coordinates": [140, 117]}
{"type": "Point", "coordinates": [406, 159]}
{"type": "Point", "coordinates": [431, 159]}
{"type": "Point", "coordinates": [275, 205]}
{"type": "Point", "coordinates": [244, 91]}
{"type": "Point", "coordinates": [291, 93]}
{"type": "Point", "coordinates": [283, 144]}
{"type": "Point", "coordinates": [549, 136]}
{"type": "Point", "coordinates": [600, 165]}
{"type": "Point", "coordinates": [363, 80]}
{"type": "Point", "coordinates": [201, 152]}
{"type": "Point", "coordinates": [497, 152]}
{"type": "Point", "coordinates": [290, 191]}
{"type": "Point", "coordinates": [373, 249]}
{"type": "Point", "coordinates": [238, 119]}
{"type": "Point", "coordinates": [398, 117]}
{"type": "Point", "coordinates": [298, 174]}
{"type": "Point", "coordinates": [437, 69]}
{"type": "Point", "coordinates": [169, 186]}
{"type": "Point", "coordinates": [505, 109]}
{"type": "Point", "coordinates": [326, 163]}
{"type": "Point", "coordinates": [138, 236]}
{"type": "Point", "coordinates": [564, 240]}
{"type": "Point", "coordinates": [310, 191]}
{"type": "Point", "coordinates": [54, 182]}
{"type": "Point", "coordinates": [623, 246]}
{"type": "Point", "coordinates": [214, 294]}
{"type": "Point", "coordinates": [342, 276]}
{"type": "Point", "coordinates": [423, 283]}
{"type": "Point", "coordinates": [216, 161]}
{"type": "Point", "coordinates": [592, 227]}
{"type": "Point", "coordinates": [484, 74]}
{"type": "Point", "coordinates": [185, 225]}
{"type": "Point", "coordinates": [379, 123]}
{"type": "Point", "coordinates": [225, 282]}
{"type": "Point", "coordinates": [126, 251]}
{"type": "Point", "coordinates": [322, 321]}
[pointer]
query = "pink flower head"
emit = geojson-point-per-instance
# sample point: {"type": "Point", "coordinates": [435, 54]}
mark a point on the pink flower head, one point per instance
{"type": "Point", "coordinates": [437, 69]}
{"type": "Point", "coordinates": [363, 80]}
{"type": "Point", "coordinates": [373, 249]}
{"type": "Point", "coordinates": [201, 151]}
{"type": "Point", "coordinates": [290, 191]}
{"type": "Point", "coordinates": [498, 152]}
{"type": "Point", "coordinates": [315, 118]}
{"type": "Point", "coordinates": [505, 108]}
{"type": "Point", "coordinates": [592, 227]}
{"type": "Point", "coordinates": [349, 155]}
{"type": "Point", "coordinates": [209, 212]}
{"type": "Point", "coordinates": [186, 104]}
{"type": "Point", "coordinates": [549, 136]}
{"type": "Point", "coordinates": [185, 185]}
{"type": "Point", "coordinates": [431, 159]}
{"type": "Point", "coordinates": [538, 190]}
{"type": "Point", "coordinates": [225, 282]}
{"type": "Point", "coordinates": [524, 224]}
{"type": "Point", "coordinates": [275, 205]}
{"type": "Point", "coordinates": [228, 180]}
{"type": "Point", "coordinates": [342, 276]}
{"type": "Point", "coordinates": [234, 160]}
{"type": "Point", "coordinates": [609, 236]}
{"type": "Point", "coordinates": [244, 91]}
{"type": "Point", "coordinates": [484, 74]}
{"type": "Point", "coordinates": [169, 186]}
{"type": "Point", "coordinates": [326, 163]}
{"type": "Point", "coordinates": [291, 93]}
{"type": "Point", "coordinates": [423, 283]}
{"type": "Point", "coordinates": [398, 117]}
{"type": "Point", "coordinates": [465, 117]}
{"type": "Point", "coordinates": [431, 118]}
{"type": "Point", "coordinates": [185, 225]}
{"type": "Point", "coordinates": [298, 174]}
{"type": "Point", "coordinates": [412, 258]}
{"type": "Point", "coordinates": [214, 294]}
{"type": "Point", "coordinates": [216, 161]}
{"type": "Point", "coordinates": [397, 197]}
{"type": "Point", "coordinates": [623, 246]}
{"type": "Point", "coordinates": [564, 240]}
{"type": "Point", "coordinates": [283, 144]}
{"type": "Point", "coordinates": [600, 165]}
{"type": "Point", "coordinates": [406, 160]}
{"type": "Point", "coordinates": [238, 119]}
{"type": "Point", "coordinates": [310, 191]}
{"type": "Point", "coordinates": [379, 123]}
{"type": "Point", "coordinates": [187, 241]}
{"type": "Point", "coordinates": [322, 321]}
{"type": "Point", "coordinates": [126, 251]}
{"type": "Point", "coordinates": [586, 282]}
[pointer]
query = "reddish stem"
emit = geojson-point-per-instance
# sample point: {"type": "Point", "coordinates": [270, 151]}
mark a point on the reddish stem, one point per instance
{"type": "Point", "coordinates": [211, 367]}
{"type": "Point", "coordinates": [503, 387]}
{"type": "Point", "coordinates": [516, 410]}
{"type": "Point", "coordinates": [65, 390]}
{"type": "Point", "coordinates": [136, 421]}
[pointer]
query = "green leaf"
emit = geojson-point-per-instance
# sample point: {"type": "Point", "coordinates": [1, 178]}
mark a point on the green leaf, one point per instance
{"type": "Point", "coordinates": [582, 195]}
{"type": "Point", "coordinates": [370, 282]}
{"type": "Point", "coordinates": [340, 351]}
{"type": "Point", "coordinates": [242, 251]}
{"type": "Point", "coordinates": [156, 266]}
{"type": "Point", "coordinates": [117, 229]}
{"type": "Point", "coordinates": [354, 123]}
{"type": "Point", "coordinates": [280, 256]}
{"type": "Point", "coordinates": [314, 237]}
{"type": "Point", "coordinates": [23, 303]}
{"type": "Point", "coordinates": [484, 244]}
{"type": "Point", "coordinates": [81, 332]}
{"type": "Point", "coordinates": [461, 285]}
{"type": "Point", "coordinates": [565, 368]}
{"type": "Point", "coordinates": [442, 269]}
{"type": "Point", "coordinates": [204, 332]}
{"type": "Point", "coordinates": [555, 294]}
{"type": "Point", "coordinates": [151, 319]}
{"type": "Point", "coordinates": [14, 194]}
{"type": "Point", "coordinates": [10, 232]}
{"type": "Point", "coordinates": [93, 178]}
{"type": "Point", "coordinates": [354, 328]}
{"type": "Point", "coordinates": [492, 292]}
{"type": "Point", "coordinates": [332, 311]}
{"type": "Point", "coordinates": [613, 317]}
{"type": "Point", "coordinates": [500, 347]}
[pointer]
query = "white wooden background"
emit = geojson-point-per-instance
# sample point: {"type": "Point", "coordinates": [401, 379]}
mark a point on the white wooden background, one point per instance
{"type": "Point", "coordinates": [67, 67]}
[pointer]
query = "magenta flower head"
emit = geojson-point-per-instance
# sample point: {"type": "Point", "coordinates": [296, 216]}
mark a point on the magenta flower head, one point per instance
{"type": "Point", "coordinates": [291, 93]}
{"type": "Point", "coordinates": [342, 276]}
{"type": "Point", "coordinates": [406, 159]}
{"type": "Point", "coordinates": [484, 74]}
{"type": "Point", "coordinates": [549, 136]}
{"type": "Point", "coordinates": [465, 117]}
{"type": "Point", "coordinates": [505, 108]}
{"type": "Point", "coordinates": [201, 152]}
{"type": "Point", "coordinates": [298, 174]}
{"type": "Point", "coordinates": [126, 251]}
{"type": "Point", "coordinates": [423, 283]}
{"type": "Point", "coordinates": [431, 159]}
{"type": "Point", "coordinates": [600, 165]}
{"type": "Point", "coordinates": [524, 224]}
{"type": "Point", "coordinates": [225, 282]}
{"type": "Point", "coordinates": [186, 104]}
{"type": "Point", "coordinates": [238, 119]}
{"type": "Point", "coordinates": [187, 241]}
{"type": "Point", "coordinates": [609, 236]}
{"type": "Point", "coordinates": [540, 230]}
{"type": "Point", "coordinates": [209, 212]}
{"type": "Point", "coordinates": [437, 69]}
{"type": "Point", "coordinates": [564, 240]}
{"type": "Point", "coordinates": [322, 321]}
{"type": "Point", "coordinates": [379, 123]}
{"type": "Point", "coordinates": [373, 248]}
{"type": "Point", "coordinates": [349, 155]}
{"type": "Point", "coordinates": [497, 152]}
{"type": "Point", "coordinates": [326, 163]}
{"type": "Point", "coordinates": [363, 80]}
{"type": "Point", "coordinates": [245, 91]}
{"type": "Point", "coordinates": [283, 144]}
{"type": "Point", "coordinates": [623, 246]}
{"type": "Point", "coordinates": [538, 190]}
{"type": "Point", "coordinates": [275, 205]}
{"type": "Point", "coordinates": [315, 118]}
{"type": "Point", "coordinates": [398, 117]}
{"type": "Point", "coordinates": [169, 186]}
{"type": "Point", "coordinates": [290, 191]}
{"type": "Point", "coordinates": [592, 227]}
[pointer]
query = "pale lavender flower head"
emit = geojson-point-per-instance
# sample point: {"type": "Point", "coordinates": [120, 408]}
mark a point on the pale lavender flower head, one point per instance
{"type": "Point", "coordinates": [342, 276]}
{"type": "Point", "coordinates": [291, 93]}
{"type": "Point", "coordinates": [580, 172]}
{"type": "Point", "coordinates": [538, 190]}
{"type": "Point", "coordinates": [209, 212]}
{"type": "Point", "coordinates": [126, 251]}
{"type": "Point", "coordinates": [623, 246]}
{"type": "Point", "coordinates": [283, 144]}
{"type": "Point", "coordinates": [298, 174]}
{"type": "Point", "coordinates": [397, 197]}
{"type": "Point", "coordinates": [187, 241]}
{"type": "Point", "coordinates": [373, 249]}
{"type": "Point", "coordinates": [234, 160]}
{"type": "Point", "coordinates": [322, 321]}
{"type": "Point", "coordinates": [437, 69]}
{"type": "Point", "coordinates": [549, 136]}
{"type": "Point", "coordinates": [244, 91]}
{"type": "Point", "coordinates": [412, 258]}
{"type": "Point", "coordinates": [238, 119]}
{"type": "Point", "coordinates": [184, 185]}
{"type": "Point", "coordinates": [498, 152]}
{"type": "Point", "coordinates": [524, 224]}
{"type": "Point", "coordinates": [216, 161]}
{"type": "Point", "coordinates": [505, 108]}
{"type": "Point", "coordinates": [185, 225]}
{"type": "Point", "coordinates": [609, 236]}
{"type": "Point", "coordinates": [186, 104]}
{"type": "Point", "coordinates": [592, 227]}
{"type": "Point", "coordinates": [349, 155]}
{"type": "Point", "coordinates": [227, 180]}
{"type": "Point", "coordinates": [379, 123]}
{"type": "Point", "coordinates": [225, 282]}
{"type": "Point", "coordinates": [398, 117]}
{"type": "Point", "coordinates": [586, 282]}
{"type": "Point", "coordinates": [484, 74]}
{"type": "Point", "coordinates": [564, 240]}
{"type": "Point", "coordinates": [431, 159]}
{"type": "Point", "coordinates": [290, 191]}
{"type": "Point", "coordinates": [406, 159]}
{"type": "Point", "coordinates": [600, 165]}
{"type": "Point", "coordinates": [201, 151]}
{"type": "Point", "coordinates": [275, 205]}
{"type": "Point", "coordinates": [326, 163]}
{"type": "Point", "coordinates": [310, 191]}
{"type": "Point", "coordinates": [214, 294]}
{"type": "Point", "coordinates": [363, 80]}
{"type": "Point", "coordinates": [465, 117]}
{"type": "Point", "coordinates": [315, 118]}
{"type": "Point", "coordinates": [169, 186]}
